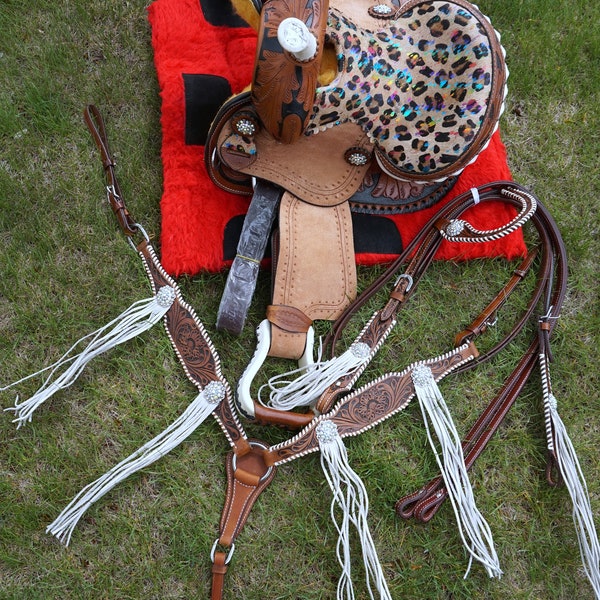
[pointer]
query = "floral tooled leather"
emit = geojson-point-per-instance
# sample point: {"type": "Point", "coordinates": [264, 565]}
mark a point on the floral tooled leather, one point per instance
{"type": "Point", "coordinates": [283, 88]}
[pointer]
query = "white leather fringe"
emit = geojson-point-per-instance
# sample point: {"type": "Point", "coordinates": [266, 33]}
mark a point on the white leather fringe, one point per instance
{"type": "Point", "coordinates": [202, 406]}
{"type": "Point", "coordinates": [474, 529]}
{"type": "Point", "coordinates": [350, 497]}
{"type": "Point", "coordinates": [560, 443]}
{"type": "Point", "coordinates": [138, 318]}
{"type": "Point", "coordinates": [314, 379]}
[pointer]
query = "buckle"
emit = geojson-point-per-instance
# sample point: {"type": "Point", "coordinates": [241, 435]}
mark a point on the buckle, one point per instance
{"type": "Point", "coordinates": [229, 550]}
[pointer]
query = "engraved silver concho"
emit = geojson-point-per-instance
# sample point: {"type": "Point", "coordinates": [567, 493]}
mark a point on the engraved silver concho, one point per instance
{"type": "Point", "coordinates": [422, 375]}
{"type": "Point", "coordinates": [455, 227]}
{"type": "Point", "coordinates": [327, 432]}
{"type": "Point", "coordinates": [360, 350]}
{"type": "Point", "coordinates": [165, 296]}
{"type": "Point", "coordinates": [214, 392]}
{"type": "Point", "coordinates": [245, 127]}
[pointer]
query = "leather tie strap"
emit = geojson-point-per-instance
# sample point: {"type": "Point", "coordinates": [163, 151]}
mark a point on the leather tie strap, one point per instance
{"type": "Point", "coordinates": [241, 281]}
{"type": "Point", "coordinates": [95, 123]}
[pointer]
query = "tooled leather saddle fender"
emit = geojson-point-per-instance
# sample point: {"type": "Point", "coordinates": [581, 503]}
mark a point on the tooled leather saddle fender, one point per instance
{"type": "Point", "coordinates": [340, 91]}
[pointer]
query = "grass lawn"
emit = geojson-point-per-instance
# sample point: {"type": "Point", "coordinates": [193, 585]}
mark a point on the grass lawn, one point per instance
{"type": "Point", "coordinates": [65, 270]}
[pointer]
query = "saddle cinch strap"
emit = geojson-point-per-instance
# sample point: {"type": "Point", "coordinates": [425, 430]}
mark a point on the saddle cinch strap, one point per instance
{"type": "Point", "coordinates": [417, 95]}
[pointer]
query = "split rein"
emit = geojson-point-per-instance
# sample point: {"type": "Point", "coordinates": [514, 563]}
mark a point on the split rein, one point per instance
{"type": "Point", "coordinates": [339, 410]}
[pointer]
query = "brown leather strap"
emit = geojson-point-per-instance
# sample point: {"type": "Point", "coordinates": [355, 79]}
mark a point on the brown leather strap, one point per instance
{"type": "Point", "coordinates": [551, 283]}
{"type": "Point", "coordinates": [247, 476]}
{"type": "Point", "coordinates": [288, 318]}
{"type": "Point", "coordinates": [219, 568]}
{"type": "Point", "coordinates": [488, 314]}
{"type": "Point", "coordinates": [95, 124]}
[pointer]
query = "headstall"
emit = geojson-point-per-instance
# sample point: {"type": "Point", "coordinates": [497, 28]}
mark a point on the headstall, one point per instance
{"type": "Point", "coordinates": [322, 403]}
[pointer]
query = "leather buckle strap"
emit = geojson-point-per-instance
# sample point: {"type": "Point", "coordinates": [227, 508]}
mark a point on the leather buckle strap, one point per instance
{"type": "Point", "coordinates": [488, 316]}
{"type": "Point", "coordinates": [248, 474]}
{"type": "Point", "coordinates": [95, 123]}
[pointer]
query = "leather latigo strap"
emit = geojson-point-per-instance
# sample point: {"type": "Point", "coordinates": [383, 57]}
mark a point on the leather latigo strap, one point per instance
{"type": "Point", "coordinates": [95, 123]}
{"type": "Point", "coordinates": [243, 274]}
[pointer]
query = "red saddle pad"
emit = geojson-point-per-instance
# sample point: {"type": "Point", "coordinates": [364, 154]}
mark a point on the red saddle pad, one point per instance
{"type": "Point", "coordinates": [203, 54]}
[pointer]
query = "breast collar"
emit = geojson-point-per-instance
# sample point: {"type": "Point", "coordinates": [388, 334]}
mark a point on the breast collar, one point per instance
{"type": "Point", "coordinates": [341, 410]}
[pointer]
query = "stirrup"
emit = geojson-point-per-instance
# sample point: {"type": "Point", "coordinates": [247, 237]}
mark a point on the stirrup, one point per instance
{"type": "Point", "coordinates": [252, 409]}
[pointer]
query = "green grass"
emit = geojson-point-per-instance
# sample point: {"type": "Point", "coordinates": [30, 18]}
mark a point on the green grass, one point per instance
{"type": "Point", "coordinates": [65, 270]}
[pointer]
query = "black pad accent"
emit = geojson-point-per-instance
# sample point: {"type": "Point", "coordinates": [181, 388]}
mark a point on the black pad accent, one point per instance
{"type": "Point", "coordinates": [375, 235]}
{"type": "Point", "coordinates": [231, 237]}
{"type": "Point", "coordinates": [220, 12]}
{"type": "Point", "coordinates": [204, 95]}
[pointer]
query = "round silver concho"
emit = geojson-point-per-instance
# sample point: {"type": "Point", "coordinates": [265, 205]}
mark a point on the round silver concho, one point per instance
{"type": "Point", "coordinates": [421, 375]}
{"type": "Point", "coordinates": [165, 296]}
{"type": "Point", "coordinates": [360, 350]}
{"type": "Point", "coordinates": [381, 11]}
{"type": "Point", "coordinates": [357, 157]}
{"type": "Point", "coordinates": [214, 392]}
{"type": "Point", "coordinates": [455, 227]}
{"type": "Point", "coordinates": [327, 432]}
{"type": "Point", "coordinates": [245, 127]}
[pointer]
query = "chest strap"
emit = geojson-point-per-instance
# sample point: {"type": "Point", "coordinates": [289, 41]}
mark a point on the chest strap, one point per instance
{"type": "Point", "coordinates": [247, 476]}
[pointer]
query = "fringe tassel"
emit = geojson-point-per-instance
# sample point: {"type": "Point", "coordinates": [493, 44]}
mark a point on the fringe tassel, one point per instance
{"type": "Point", "coordinates": [570, 469]}
{"type": "Point", "coordinates": [350, 495]}
{"type": "Point", "coordinates": [202, 406]}
{"type": "Point", "coordinates": [473, 528]}
{"type": "Point", "coordinates": [314, 379]}
{"type": "Point", "coordinates": [139, 317]}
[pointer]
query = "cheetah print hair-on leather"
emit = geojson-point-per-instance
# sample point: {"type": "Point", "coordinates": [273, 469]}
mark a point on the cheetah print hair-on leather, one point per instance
{"type": "Point", "coordinates": [428, 87]}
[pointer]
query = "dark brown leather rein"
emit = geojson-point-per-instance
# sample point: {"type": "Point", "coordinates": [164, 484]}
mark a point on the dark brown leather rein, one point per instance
{"type": "Point", "coordinates": [251, 464]}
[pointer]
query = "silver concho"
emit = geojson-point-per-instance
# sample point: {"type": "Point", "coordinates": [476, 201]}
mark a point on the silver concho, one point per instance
{"type": "Point", "coordinates": [422, 375]}
{"type": "Point", "coordinates": [165, 296]}
{"type": "Point", "coordinates": [455, 227]}
{"type": "Point", "coordinates": [327, 431]}
{"type": "Point", "coordinates": [214, 392]}
{"type": "Point", "coordinates": [360, 350]}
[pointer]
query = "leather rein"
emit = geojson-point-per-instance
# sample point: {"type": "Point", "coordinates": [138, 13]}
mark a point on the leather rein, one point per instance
{"type": "Point", "coordinates": [251, 464]}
